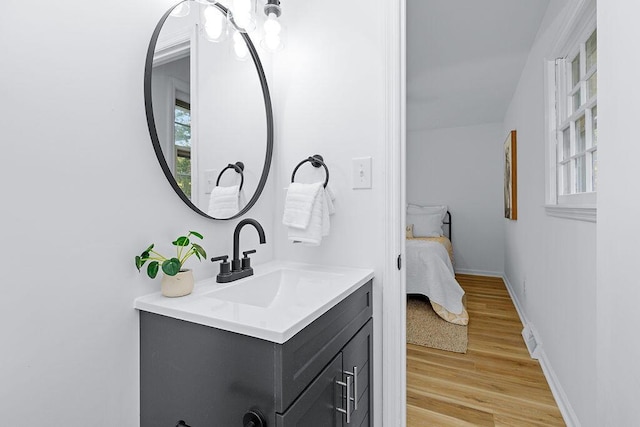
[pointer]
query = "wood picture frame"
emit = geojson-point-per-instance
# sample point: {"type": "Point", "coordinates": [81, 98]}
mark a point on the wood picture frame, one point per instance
{"type": "Point", "coordinates": [511, 177]}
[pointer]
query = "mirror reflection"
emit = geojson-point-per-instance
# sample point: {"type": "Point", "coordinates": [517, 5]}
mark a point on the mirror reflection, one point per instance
{"type": "Point", "coordinates": [211, 111]}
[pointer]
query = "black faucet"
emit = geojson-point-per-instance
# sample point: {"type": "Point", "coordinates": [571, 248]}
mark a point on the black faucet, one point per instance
{"type": "Point", "coordinates": [239, 268]}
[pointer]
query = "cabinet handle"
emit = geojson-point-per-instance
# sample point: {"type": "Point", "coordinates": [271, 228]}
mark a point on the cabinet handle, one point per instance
{"type": "Point", "coordinates": [347, 410]}
{"type": "Point", "coordinates": [354, 399]}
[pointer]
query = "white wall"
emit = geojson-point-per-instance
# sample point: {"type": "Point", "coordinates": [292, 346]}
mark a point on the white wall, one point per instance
{"type": "Point", "coordinates": [618, 212]}
{"type": "Point", "coordinates": [329, 100]}
{"type": "Point", "coordinates": [463, 169]}
{"type": "Point", "coordinates": [555, 257]}
{"type": "Point", "coordinates": [82, 194]}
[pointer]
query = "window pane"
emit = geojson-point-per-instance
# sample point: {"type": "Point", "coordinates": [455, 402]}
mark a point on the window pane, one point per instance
{"type": "Point", "coordinates": [592, 85]}
{"type": "Point", "coordinates": [575, 71]}
{"type": "Point", "coordinates": [566, 144]}
{"type": "Point", "coordinates": [594, 125]}
{"type": "Point", "coordinates": [183, 135]}
{"type": "Point", "coordinates": [580, 135]}
{"type": "Point", "coordinates": [594, 174]}
{"type": "Point", "coordinates": [183, 174]}
{"type": "Point", "coordinates": [566, 178]}
{"type": "Point", "coordinates": [592, 50]}
{"type": "Point", "coordinates": [577, 101]}
{"type": "Point", "coordinates": [581, 174]}
{"type": "Point", "coordinates": [182, 128]}
{"type": "Point", "coordinates": [183, 115]}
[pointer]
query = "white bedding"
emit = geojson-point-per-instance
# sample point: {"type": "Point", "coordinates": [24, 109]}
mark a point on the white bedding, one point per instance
{"type": "Point", "coordinates": [430, 273]}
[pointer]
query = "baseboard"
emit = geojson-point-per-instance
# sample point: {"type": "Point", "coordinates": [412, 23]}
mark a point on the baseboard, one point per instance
{"type": "Point", "coordinates": [479, 272]}
{"type": "Point", "coordinates": [568, 414]}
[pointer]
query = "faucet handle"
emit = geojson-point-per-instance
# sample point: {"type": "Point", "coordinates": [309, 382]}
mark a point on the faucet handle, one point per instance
{"type": "Point", "coordinates": [225, 266]}
{"type": "Point", "coordinates": [246, 261]}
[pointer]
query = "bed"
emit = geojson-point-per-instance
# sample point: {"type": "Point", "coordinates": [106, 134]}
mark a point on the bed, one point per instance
{"type": "Point", "coordinates": [429, 255]}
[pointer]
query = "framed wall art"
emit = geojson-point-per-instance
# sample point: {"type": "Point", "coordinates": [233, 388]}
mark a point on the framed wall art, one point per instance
{"type": "Point", "coordinates": [510, 177]}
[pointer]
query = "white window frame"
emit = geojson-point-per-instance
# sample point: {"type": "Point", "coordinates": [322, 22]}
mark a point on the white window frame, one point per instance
{"type": "Point", "coordinates": [577, 29]}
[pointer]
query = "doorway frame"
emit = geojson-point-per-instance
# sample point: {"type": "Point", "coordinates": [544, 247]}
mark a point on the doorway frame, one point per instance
{"type": "Point", "coordinates": [394, 382]}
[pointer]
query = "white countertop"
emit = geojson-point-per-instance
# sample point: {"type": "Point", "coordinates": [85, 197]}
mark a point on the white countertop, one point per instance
{"type": "Point", "coordinates": [277, 302]}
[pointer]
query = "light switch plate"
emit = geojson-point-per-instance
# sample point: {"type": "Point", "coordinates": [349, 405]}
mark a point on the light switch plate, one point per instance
{"type": "Point", "coordinates": [361, 175]}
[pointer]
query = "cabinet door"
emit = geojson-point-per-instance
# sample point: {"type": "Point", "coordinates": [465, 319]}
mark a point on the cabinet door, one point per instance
{"type": "Point", "coordinates": [316, 406]}
{"type": "Point", "coordinates": [357, 362]}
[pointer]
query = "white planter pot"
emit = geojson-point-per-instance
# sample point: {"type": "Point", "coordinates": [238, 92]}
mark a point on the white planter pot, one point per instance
{"type": "Point", "coordinates": [177, 286]}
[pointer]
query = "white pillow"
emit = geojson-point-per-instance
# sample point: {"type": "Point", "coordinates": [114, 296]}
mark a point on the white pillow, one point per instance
{"type": "Point", "coordinates": [426, 225]}
{"type": "Point", "coordinates": [417, 209]}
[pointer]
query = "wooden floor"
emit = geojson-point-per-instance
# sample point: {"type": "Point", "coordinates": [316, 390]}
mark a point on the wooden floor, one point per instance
{"type": "Point", "coordinates": [495, 383]}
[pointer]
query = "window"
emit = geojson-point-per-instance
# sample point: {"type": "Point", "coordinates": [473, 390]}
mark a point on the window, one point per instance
{"type": "Point", "coordinates": [577, 141]}
{"type": "Point", "coordinates": [182, 144]}
{"type": "Point", "coordinates": [572, 114]}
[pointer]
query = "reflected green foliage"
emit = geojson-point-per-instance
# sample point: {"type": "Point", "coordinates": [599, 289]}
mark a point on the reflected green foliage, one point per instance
{"type": "Point", "coordinates": [183, 174]}
{"type": "Point", "coordinates": [182, 141]}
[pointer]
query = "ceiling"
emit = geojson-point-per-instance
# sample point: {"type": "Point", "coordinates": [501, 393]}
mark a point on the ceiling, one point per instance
{"type": "Point", "coordinates": [465, 57]}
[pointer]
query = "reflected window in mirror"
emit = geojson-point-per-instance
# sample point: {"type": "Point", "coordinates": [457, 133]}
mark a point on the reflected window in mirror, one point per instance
{"type": "Point", "coordinates": [182, 145]}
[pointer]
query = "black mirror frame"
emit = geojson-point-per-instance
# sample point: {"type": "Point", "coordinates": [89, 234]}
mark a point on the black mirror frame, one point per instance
{"type": "Point", "coordinates": [148, 103]}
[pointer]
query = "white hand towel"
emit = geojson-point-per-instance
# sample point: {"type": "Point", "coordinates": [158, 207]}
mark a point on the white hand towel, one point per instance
{"type": "Point", "coordinates": [318, 223]}
{"type": "Point", "coordinates": [330, 195]}
{"type": "Point", "coordinates": [224, 202]}
{"type": "Point", "coordinates": [299, 204]}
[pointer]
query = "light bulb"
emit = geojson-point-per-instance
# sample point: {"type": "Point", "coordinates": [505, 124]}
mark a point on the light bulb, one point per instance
{"type": "Point", "coordinates": [273, 34]}
{"type": "Point", "coordinates": [272, 42]}
{"type": "Point", "coordinates": [243, 13]}
{"type": "Point", "coordinates": [181, 10]}
{"type": "Point", "coordinates": [240, 47]}
{"type": "Point", "coordinates": [214, 24]}
{"type": "Point", "coordinates": [271, 25]}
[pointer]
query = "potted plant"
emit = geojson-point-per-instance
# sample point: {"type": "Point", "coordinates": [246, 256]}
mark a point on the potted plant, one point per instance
{"type": "Point", "coordinates": [177, 281]}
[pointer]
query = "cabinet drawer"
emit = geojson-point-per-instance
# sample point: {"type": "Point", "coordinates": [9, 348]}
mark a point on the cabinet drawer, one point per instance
{"type": "Point", "coordinates": [356, 357]}
{"type": "Point", "coordinates": [316, 406]}
{"type": "Point", "coordinates": [300, 359]}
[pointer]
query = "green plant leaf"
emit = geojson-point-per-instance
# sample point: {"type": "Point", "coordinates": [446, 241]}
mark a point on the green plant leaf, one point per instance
{"type": "Point", "coordinates": [145, 253]}
{"type": "Point", "coordinates": [195, 233]}
{"type": "Point", "coordinates": [152, 269]}
{"type": "Point", "coordinates": [140, 262]}
{"type": "Point", "coordinates": [181, 241]}
{"type": "Point", "coordinates": [199, 251]}
{"type": "Point", "coordinates": [171, 267]}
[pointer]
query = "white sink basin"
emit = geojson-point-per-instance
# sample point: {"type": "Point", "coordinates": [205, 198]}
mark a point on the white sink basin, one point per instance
{"type": "Point", "coordinates": [274, 304]}
{"type": "Point", "coordinates": [284, 287]}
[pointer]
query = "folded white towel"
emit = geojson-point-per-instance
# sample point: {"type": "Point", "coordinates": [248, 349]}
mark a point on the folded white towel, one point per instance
{"type": "Point", "coordinates": [224, 202]}
{"type": "Point", "coordinates": [330, 196]}
{"type": "Point", "coordinates": [318, 223]}
{"type": "Point", "coordinates": [299, 204]}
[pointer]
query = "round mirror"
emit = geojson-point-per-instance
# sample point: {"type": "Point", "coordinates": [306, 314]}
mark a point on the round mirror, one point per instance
{"type": "Point", "coordinates": [208, 110]}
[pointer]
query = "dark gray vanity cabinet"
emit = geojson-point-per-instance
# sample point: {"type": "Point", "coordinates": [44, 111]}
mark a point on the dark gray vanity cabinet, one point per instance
{"type": "Point", "coordinates": [327, 400]}
{"type": "Point", "coordinates": [209, 377]}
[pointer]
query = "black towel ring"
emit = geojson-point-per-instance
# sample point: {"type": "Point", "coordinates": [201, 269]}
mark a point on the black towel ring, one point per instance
{"type": "Point", "coordinates": [316, 161]}
{"type": "Point", "coordinates": [238, 167]}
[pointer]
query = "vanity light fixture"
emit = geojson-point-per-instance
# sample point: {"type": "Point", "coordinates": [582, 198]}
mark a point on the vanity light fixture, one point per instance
{"type": "Point", "coordinates": [274, 32]}
{"type": "Point", "coordinates": [242, 13]}
{"type": "Point", "coordinates": [219, 21]}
